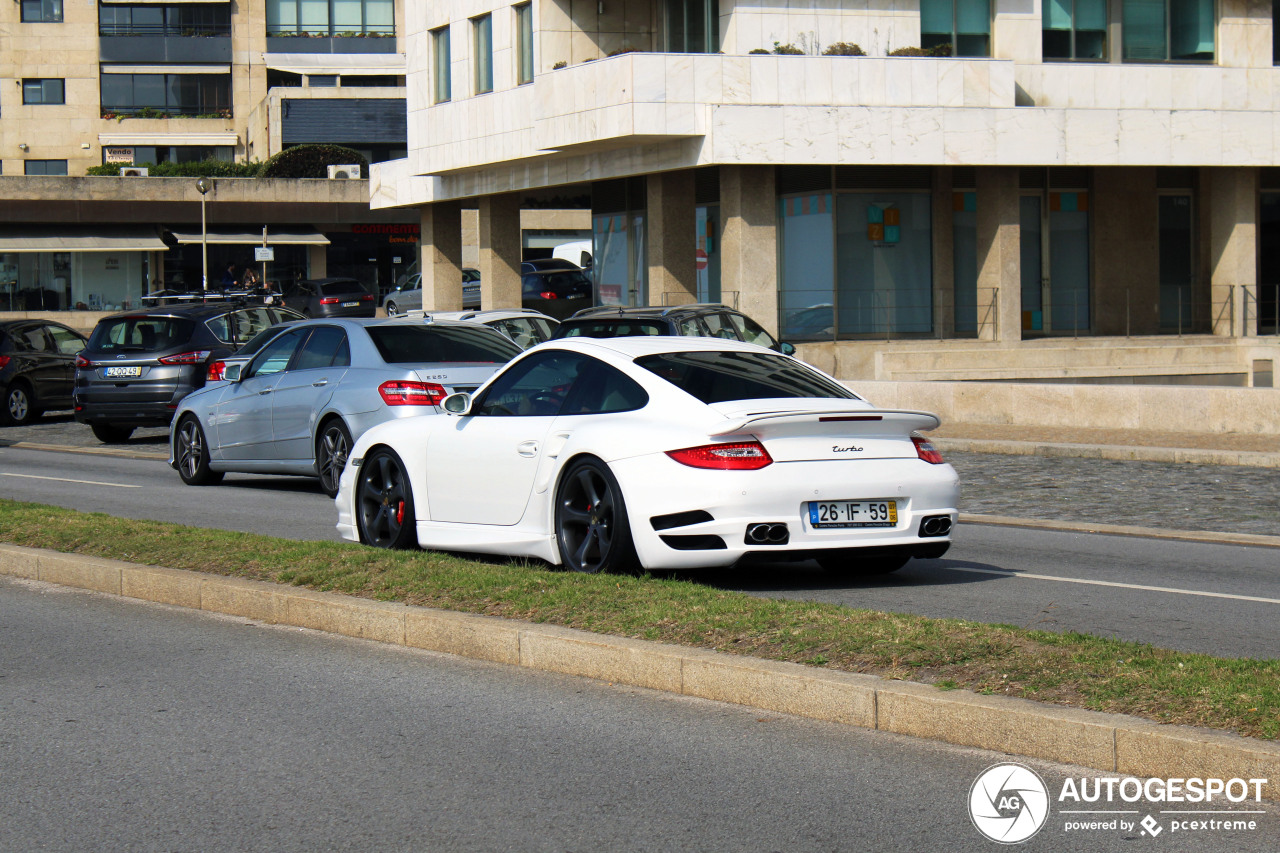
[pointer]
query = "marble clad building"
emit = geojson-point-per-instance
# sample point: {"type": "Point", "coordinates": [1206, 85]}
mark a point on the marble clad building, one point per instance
{"type": "Point", "coordinates": [1055, 189]}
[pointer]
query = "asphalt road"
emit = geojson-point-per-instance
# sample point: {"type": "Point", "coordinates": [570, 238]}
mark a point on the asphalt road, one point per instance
{"type": "Point", "coordinates": [136, 727]}
{"type": "Point", "coordinates": [1216, 599]}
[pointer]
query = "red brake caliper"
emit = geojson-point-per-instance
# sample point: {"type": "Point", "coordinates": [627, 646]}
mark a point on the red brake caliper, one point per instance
{"type": "Point", "coordinates": [400, 513]}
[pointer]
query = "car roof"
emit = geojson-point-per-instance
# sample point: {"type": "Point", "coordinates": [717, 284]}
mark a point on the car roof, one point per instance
{"type": "Point", "coordinates": [478, 316]}
{"type": "Point", "coordinates": [635, 347]}
{"type": "Point", "coordinates": [545, 264]}
{"type": "Point", "coordinates": [629, 312]}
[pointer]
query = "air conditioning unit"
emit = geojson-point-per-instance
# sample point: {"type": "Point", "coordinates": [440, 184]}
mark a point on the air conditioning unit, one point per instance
{"type": "Point", "coordinates": [348, 171]}
{"type": "Point", "coordinates": [133, 171]}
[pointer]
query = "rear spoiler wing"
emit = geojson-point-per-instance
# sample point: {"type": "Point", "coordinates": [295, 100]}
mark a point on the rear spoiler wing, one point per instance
{"type": "Point", "coordinates": [900, 418]}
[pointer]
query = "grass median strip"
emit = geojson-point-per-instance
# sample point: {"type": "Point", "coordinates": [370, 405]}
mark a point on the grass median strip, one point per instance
{"type": "Point", "coordinates": [1235, 695]}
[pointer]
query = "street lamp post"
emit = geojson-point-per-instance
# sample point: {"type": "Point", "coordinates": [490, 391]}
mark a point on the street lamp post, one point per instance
{"type": "Point", "coordinates": [204, 185]}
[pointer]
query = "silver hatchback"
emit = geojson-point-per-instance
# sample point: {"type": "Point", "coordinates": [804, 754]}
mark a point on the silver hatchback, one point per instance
{"type": "Point", "coordinates": [298, 404]}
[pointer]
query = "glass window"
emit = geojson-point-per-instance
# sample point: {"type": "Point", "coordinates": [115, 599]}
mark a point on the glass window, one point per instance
{"type": "Point", "coordinates": [482, 53]}
{"type": "Point", "coordinates": [45, 167]}
{"type": "Point", "coordinates": [405, 344]}
{"type": "Point", "coordinates": [601, 390]}
{"type": "Point", "coordinates": [525, 331]}
{"type": "Point", "coordinates": [141, 333]}
{"type": "Point", "coordinates": [750, 331]}
{"type": "Point", "coordinates": [275, 356]}
{"type": "Point", "coordinates": [963, 24]}
{"type": "Point", "coordinates": [325, 348]}
{"type": "Point", "coordinates": [45, 91]}
{"type": "Point", "coordinates": [611, 328]}
{"type": "Point", "coordinates": [1159, 30]}
{"type": "Point", "coordinates": [36, 339]}
{"type": "Point", "coordinates": [719, 377]}
{"type": "Point", "coordinates": [535, 387]}
{"type": "Point", "coordinates": [964, 256]}
{"type": "Point", "coordinates": [440, 65]}
{"type": "Point", "coordinates": [524, 43]}
{"type": "Point", "coordinates": [1075, 29]}
{"type": "Point", "coordinates": [41, 11]}
{"type": "Point", "coordinates": [807, 226]}
{"type": "Point", "coordinates": [170, 94]}
{"type": "Point", "coordinates": [67, 342]}
{"type": "Point", "coordinates": [884, 256]}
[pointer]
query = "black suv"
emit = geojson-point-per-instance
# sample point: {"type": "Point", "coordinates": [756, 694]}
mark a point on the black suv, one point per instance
{"type": "Point", "coordinates": [138, 365]}
{"type": "Point", "coordinates": [699, 320]}
{"type": "Point", "coordinates": [554, 286]}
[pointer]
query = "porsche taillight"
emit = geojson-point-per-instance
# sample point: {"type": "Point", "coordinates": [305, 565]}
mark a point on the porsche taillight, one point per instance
{"type": "Point", "coordinates": [400, 392]}
{"type": "Point", "coordinates": [925, 450]}
{"type": "Point", "coordinates": [735, 456]}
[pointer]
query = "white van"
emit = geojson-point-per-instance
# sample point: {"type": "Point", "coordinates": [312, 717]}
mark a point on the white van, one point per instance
{"type": "Point", "coordinates": [578, 252]}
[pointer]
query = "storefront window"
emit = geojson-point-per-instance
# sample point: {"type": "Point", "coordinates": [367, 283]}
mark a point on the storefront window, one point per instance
{"type": "Point", "coordinates": [707, 253]}
{"type": "Point", "coordinates": [808, 267]}
{"type": "Point", "coordinates": [884, 262]}
{"type": "Point", "coordinates": [618, 267]}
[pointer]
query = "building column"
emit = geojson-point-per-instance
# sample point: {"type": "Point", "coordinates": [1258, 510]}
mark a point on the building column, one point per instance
{"type": "Point", "coordinates": [441, 258]}
{"type": "Point", "coordinates": [749, 245]}
{"type": "Point", "coordinates": [1126, 240]}
{"type": "Point", "coordinates": [672, 235]}
{"type": "Point", "coordinates": [499, 251]}
{"type": "Point", "coordinates": [1231, 202]}
{"type": "Point", "coordinates": [999, 263]}
{"type": "Point", "coordinates": [944, 254]}
{"type": "Point", "coordinates": [317, 262]}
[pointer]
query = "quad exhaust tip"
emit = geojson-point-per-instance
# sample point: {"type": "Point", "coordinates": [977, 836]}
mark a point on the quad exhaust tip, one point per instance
{"type": "Point", "coordinates": [935, 525]}
{"type": "Point", "coordinates": [768, 533]}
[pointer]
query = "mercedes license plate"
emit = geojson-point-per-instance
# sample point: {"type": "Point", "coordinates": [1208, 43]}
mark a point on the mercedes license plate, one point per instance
{"type": "Point", "coordinates": [116, 372]}
{"type": "Point", "coordinates": [873, 513]}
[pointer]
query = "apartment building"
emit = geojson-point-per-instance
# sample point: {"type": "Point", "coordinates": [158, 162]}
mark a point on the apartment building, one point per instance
{"type": "Point", "coordinates": [134, 84]}
{"type": "Point", "coordinates": [1055, 189]}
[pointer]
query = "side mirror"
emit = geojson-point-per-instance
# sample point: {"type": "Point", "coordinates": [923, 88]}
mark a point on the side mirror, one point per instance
{"type": "Point", "coordinates": [457, 404]}
{"type": "Point", "coordinates": [786, 348]}
{"type": "Point", "coordinates": [231, 373]}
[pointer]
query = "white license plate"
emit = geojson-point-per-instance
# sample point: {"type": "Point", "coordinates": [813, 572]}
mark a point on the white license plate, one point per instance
{"type": "Point", "coordinates": [875, 513]}
{"type": "Point", "coordinates": [351, 305]}
{"type": "Point", "coordinates": [122, 371]}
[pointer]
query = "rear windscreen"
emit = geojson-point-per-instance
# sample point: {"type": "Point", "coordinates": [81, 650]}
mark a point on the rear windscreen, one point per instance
{"type": "Point", "coordinates": [720, 377]}
{"type": "Point", "coordinates": [412, 344]}
{"type": "Point", "coordinates": [337, 288]}
{"type": "Point", "coordinates": [140, 333]}
{"type": "Point", "coordinates": [611, 329]}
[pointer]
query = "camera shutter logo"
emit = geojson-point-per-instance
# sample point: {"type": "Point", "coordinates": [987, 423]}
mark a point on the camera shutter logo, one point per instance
{"type": "Point", "coordinates": [1008, 803]}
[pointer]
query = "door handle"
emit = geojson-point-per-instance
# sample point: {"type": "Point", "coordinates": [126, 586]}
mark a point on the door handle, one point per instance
{"type": "Point", "coordinates": [321, 383]}
{"type": "Point", "coordinates": [265, 391]}
{"type": "Point", "coordinates": [527, 448]}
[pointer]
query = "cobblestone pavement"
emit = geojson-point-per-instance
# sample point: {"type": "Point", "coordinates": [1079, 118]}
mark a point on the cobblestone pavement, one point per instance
{"type": "Point", "coordinates": [1219, 498]}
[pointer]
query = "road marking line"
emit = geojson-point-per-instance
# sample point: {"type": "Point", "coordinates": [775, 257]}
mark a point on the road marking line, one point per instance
{"type": "Point", "coordinates": [1008, 574]}
{"type": "Point", "coordinates": [67, 480]}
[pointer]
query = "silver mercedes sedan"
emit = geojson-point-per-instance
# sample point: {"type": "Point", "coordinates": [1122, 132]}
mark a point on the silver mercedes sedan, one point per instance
{"type": "Point", "coordinates": [298, 404]}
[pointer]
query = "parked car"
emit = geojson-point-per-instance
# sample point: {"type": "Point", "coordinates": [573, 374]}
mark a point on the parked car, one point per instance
{"type": "Point", "coordinates": [554, 287]}
{"type": "Point", "coordinates": [138, 365]}
{"type": "Point", "coordinates": [296, 406]}
{"type": "Point", "coordinates": [37, 368]}
{"type": "Point", "coordinates": [217, 369]}
{"type": "Point", "coordinates": [408, 294]}
{"type": "Point", "coordinates": [527, 328]}
{"type": "Point", "coordinates": [329, 297]}
{"type": "Point", "coordinates": [697, 320]}
{"type": "Point", "coordinates": [671, 453]}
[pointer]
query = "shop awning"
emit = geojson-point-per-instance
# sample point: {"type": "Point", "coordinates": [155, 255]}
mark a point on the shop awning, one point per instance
{"type": "Point", "coordinates": [336, 63]}
{"type": "Point", "coordinates": [275, 237]}
{"type": "Point", "coordinates": [73, 238]}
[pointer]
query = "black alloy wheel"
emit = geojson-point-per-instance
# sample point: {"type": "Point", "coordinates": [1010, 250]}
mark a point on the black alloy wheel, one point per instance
{"type": "Point", "coordinates": [191, 452]}
{"type": "Point", "coordinates": [384, 502]}
{"type": "Point", "coordinates": [18, 408]}
{"type": "Point", "coordinates": [592, 530]}
{"type": "Point", "coordinates": [332, 448]}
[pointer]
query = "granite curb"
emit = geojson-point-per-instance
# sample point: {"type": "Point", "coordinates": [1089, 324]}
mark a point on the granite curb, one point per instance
{"type": "Point", "coordinates": [1112, 743]}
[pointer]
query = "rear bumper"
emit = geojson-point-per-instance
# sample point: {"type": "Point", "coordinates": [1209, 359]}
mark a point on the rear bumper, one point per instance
{"type": "Point", "coordinates": [656, 489]}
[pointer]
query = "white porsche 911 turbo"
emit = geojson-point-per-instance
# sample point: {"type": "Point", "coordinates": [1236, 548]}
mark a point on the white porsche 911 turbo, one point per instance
{"type": "Point", "coordinates": [665, 452]}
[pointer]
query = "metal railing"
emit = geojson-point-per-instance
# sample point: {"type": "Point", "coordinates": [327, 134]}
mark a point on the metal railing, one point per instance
{"type": "Point", "coordinates": [1262, 306]}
